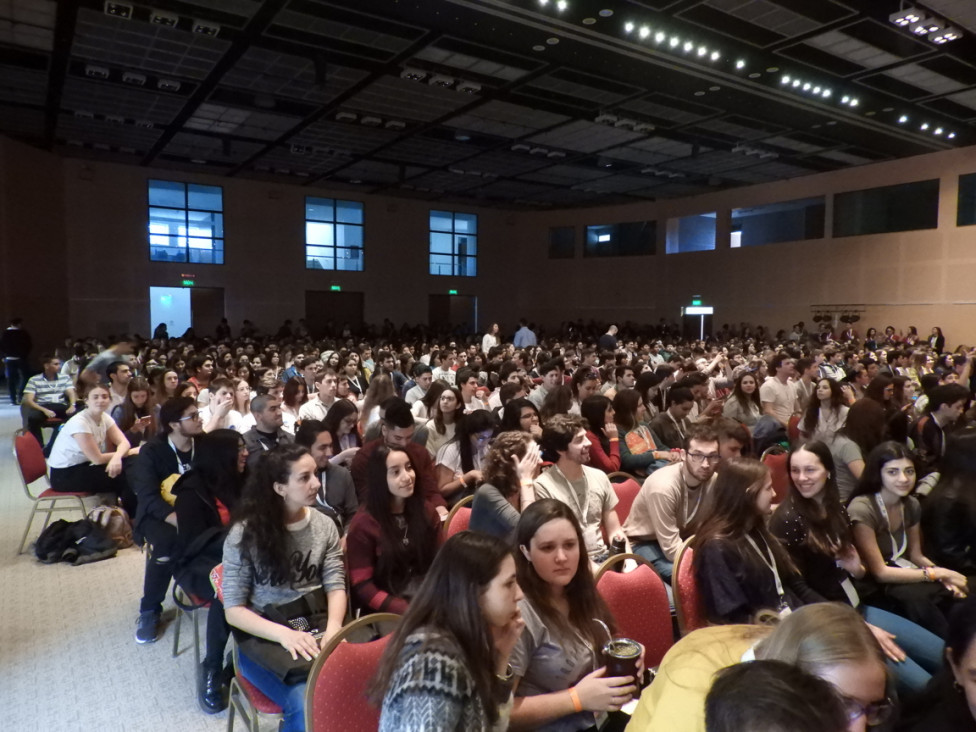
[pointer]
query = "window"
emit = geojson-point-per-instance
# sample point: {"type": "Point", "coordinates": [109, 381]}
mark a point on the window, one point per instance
{"type": "Point", "coordinates": [453, 244]}
{"type": "Point", "coordinates": [333, 234]}
{"type": "Point", "coordinates": [621, 240]}
{"type": "Point", "coordinates": [186, 222]}
{"type": "Point", "coordinates": [778, 222]}
{"type": "Point", "coordinates": [966, 212]}
{"type": "Point", "coordinates": [691, 234]}
{"type": "Point", "coordinates": [905, 207]}
{"type": "Point", "coordinates": [562, 242]}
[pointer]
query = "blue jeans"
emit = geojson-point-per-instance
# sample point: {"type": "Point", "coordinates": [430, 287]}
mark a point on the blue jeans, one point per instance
{"type": "Point", "coordinates": [651, 551]}
{"type": "Point", "coordinates": [291, 698]}
{"type": "Point", "coordinates": [924, 649]}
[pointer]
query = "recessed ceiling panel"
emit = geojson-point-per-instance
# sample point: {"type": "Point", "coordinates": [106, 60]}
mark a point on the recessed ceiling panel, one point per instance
{"type": "Point", "coordinates": [585, 136]}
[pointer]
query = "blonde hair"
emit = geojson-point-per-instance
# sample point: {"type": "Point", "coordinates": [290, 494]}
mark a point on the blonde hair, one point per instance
{"type": "Point", "coordinates": [824, 634]}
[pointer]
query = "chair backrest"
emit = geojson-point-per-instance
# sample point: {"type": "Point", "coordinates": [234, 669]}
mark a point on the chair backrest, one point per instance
{"type": "Point", "coordinates": [458, 519]}
{"type": "Point", "coordinates": [217, 581]}
{"type": "Point", "coordinates": [688, 604]}
{"type": "Point", "coordinates": [626, 494]}
{"type": "Point", "coordinates": [335, 699]}
{"type": "Point", "coordinates": [638, 601]}
{"type": "Point", "coordinates": [793, 429]}
{"type": "Point", "coordinates": [775, 459]}
{"type": "Point", "coordinates": [30, 460]}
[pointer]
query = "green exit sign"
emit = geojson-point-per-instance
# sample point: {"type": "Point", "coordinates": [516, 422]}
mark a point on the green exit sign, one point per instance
{"type": "Point", "coordinates": [452, 292]}
{"type": "Point", "coordinates": [336, 288]}
{"type": "Point", "coordinates": [188, 283]}
{"type": "Point", "coordinates": [696, 302]}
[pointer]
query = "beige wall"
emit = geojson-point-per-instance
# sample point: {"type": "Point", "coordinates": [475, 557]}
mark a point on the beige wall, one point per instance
{"type": "Point", "coordinates": [920, 278]}
{"type": "Point", "coordinates": [84, 224]}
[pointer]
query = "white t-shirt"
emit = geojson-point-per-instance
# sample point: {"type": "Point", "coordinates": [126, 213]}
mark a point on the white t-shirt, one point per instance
{"type": "Point", "coordinates": [67, 452]}
{"type": "Point", "coordinates": [450, 457]}
{"type": "Point", "coordinates": [782, 396]}
{"type": "Point", "coordinates": [231, 421]}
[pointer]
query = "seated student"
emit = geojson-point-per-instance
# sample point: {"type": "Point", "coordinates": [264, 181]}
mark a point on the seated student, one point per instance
{"type": "Point", "coordinates": [134, 415]}
{"type": "Point", "coordinates": [862, 432]}
{"type": "Point", "coordinates": [743, 403]}
{"type": "Point", "coordinates": [425, 407]}
{"type": "Point", "coordinates": [443, 423]}
{"type": "Point", "coordinates": [739, 567]}
{"type": "Point", "coordinates": [274, 526]}
{"type": "Point", "coordinates": [87, 453]}
{"type": "Point", "coordinates": [47, 395]}
{"type": "Point", "coordinates": [337, 494]}
{"type": "Point", "coordinates": [467, 383]}
{"type": "Point", "coordinates": [206, 497]}
{"type": "Point", "coordinates": [321, 401]}
{"type": "Point", "coordinates": [219, 414]}
{"type": "Point", "coordinates": [670, 499]}
{"type": "Point", "coordinates": [772, 696]}
{"type": "Point", "coordinates": [672, 425]}
{"type": "Point", "coordinates": [945, 406]}
{"type": "Point", "coordinates": [950, 702]}
{"type": "Point", "coordinates": [423, 379]}
{"type": "Point", "coordinates": [558, 683]}
{"type": "Point", "coordinates": [585, 383]}
{"type": "Point", "coordinates": [557, 401]}
{"type": "Point", "coordinates": [949, 511]}
{"type": "Point", "coordinates": [828, 640]}
{"type": "Point", "coordinates": [379, 390]}
{"type": "Point", "coordinates": [293, 397]}
{"type": "Point", "coordinates": [376, 427]}
{"type": "Point", "coordinates": [640, 454]}
{"type": "Point", "coordinates": [268, 430]}
{"type": "Point", "coordinates": [886, 532]}
{"type": "Point", "coordinates": [393, 538]}
{"type": "Point", "coordinates": [551, 373]}
{"type": "Point", "coordinates": [446, 667]}
{"type": "Point", "coordinates": [815, 529]}
{"type": "Point", "coordinates": [522, 415]}
{"type": "Point", "coordinates": [826, 412]}
{"type": "Point", "coordinates": [342, 421]}
{"type": "Point", "coordinates": [459, 462]}
{"type": "Point", "coordinates": [586, 491]}
{"type": "Point", "coordinates": [602, 433]}
{"type": "Point", "coordinates": [508, 472]}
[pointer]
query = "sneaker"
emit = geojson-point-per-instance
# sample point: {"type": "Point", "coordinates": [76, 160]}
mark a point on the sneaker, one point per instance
{"type": "Point", "coordinates": [147, 627]}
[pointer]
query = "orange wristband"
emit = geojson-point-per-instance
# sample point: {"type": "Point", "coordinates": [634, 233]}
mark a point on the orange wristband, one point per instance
{"type": "Point", "coordinates": [574, 696]}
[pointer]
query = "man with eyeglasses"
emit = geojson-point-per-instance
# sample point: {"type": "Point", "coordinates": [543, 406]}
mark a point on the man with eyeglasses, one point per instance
{"type": "Point", "coordinates": [161, 460]}
{"type": "Point", "coordinates": [670, 498]}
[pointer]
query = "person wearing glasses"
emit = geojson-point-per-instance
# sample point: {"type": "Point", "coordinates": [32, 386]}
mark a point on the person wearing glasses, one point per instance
{"type": "Point", "coordinates": [161, 460]}
{"type": "Point", "coordinates": [670, 499]}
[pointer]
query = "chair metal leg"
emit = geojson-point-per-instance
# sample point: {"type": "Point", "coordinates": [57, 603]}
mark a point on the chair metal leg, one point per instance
{"type": "Point", "coordinates": [178, 623]}
{"type": "Point", "coordinates": [196, 636]}
{"type": "Point", "coordinates": [23, 539]}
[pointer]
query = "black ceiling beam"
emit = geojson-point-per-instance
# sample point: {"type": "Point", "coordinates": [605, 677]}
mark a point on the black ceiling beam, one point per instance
{"type": "Point", "coordinates": [244, 40]}
{"type": "Point", "coordinates": [64, 32]}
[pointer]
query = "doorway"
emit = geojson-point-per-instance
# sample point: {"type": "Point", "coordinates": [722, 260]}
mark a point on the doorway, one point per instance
{"type": "Point", "coordinates": [180, 308]}
{"type": "Point", "coordinates": [327, 311]}
{"type": "Point", "coordinates": [457, 312]}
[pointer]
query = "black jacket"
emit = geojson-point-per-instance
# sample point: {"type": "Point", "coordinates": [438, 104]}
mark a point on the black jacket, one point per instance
{"type": "Point", "coordinates": [15, 343]}
{"type": "Point", "coordinates": [154, 464]}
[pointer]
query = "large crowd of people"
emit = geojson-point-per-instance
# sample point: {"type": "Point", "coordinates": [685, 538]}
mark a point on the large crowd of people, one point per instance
{"type": "Point", "coordinates": [295, 461]}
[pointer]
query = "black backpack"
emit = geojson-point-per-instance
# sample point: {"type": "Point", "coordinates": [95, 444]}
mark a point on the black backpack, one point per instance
{"type": "Point", "coordinates": [75, 542]}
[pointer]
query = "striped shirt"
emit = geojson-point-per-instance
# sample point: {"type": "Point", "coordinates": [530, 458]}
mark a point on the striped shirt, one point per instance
{"type": "Point", "coordinates": [48, 391]}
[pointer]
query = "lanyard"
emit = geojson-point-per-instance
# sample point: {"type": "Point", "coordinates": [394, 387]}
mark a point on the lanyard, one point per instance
{"type": "Point", "coordinates": [896, 551]}
{"type": "Point", "coordinates": [584, 509]}
{"type": "Point", "coordinates": [677, 426]}
{"type": "Point", "coordinates": [770, 561]}
{"type": "Point", "coordinates": [181, 466]}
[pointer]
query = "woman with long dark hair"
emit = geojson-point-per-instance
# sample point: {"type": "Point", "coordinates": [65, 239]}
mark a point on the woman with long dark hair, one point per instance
{"type": "Point", "coordinates": [134, 415]}
{"type": "Point", "coordinates": [424, 407]}
{"type": "Point", "coordinates": [293, 397]}
{"type": "Point", "coordinates": [206, 496]}
{"type": "Point", "coordinates": [648, 386]}
{"type": "Point", "coordinates": [393, 538]}
{"type": "Point", "coordinates": [640, 453]}
{"type": "Point", "coordinates": [602, 433]}
{"type": "Point", "coordinates": [443, 424]}
{"type": "Point", "coordinates": [741, 569]}
{"type": "Point", "coordinates": [447, 665]}
{"type": "Point", "coordinates": [743, 403]}
{"type": "Point", "coordinates": [341, 421]}
{"type": "Point", "coordinates": [886, 521]}
{"type": "Point", "coordinates": [459, 461]}
{"type": "Point", "coordinates": [826, 413]}
{"type": "Point", "coordinates": [278, 550]}
{"type": "Point", "coordinates": [585, 383]}
{"type": "Point", "coordinates": [559, 685]}
{"type": "Point", "coordinates": [937, 340]}
{"type": "Point", "coordinates": [863, 430]}
{"type": "Point", "coordinates": [521, 415]}
{"type": "Point", "coordinates": [814, 527]}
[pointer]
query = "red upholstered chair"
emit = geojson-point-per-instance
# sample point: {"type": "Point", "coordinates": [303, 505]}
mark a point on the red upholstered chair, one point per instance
{"type": "Point", "coordinates": [687, 600]}
{"type": "Point", "coordinates": [626, 494]}
{"type": "Point", "coordinates": [775, 459]}
{"type": "Point", "coordinates": [793, 430]}
{"type": "Point", "coordinates": [32, 468]}
{"type": "Point", "coordinates": [244, 697]}
{"type": "Point", "coordinates": [639, 603]}
{"type": "Point", "coordinates": [458, 519]}
{"type": "Point", "coordinates": [335, 700]}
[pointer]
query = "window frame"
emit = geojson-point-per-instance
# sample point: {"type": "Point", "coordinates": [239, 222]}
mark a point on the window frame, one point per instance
{"type": "Point", "coordinates": [217, 243]}
{"type": "Point", "coordinates": [455, 258]}
{"type": "Point", "coordinates": [335, 246]}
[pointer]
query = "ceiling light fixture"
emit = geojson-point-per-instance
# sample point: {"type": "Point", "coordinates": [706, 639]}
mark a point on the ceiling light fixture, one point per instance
{"type": "Point", "coordinates": [740, 64]}
{"type": "Point", "coordinates": [628, 27]}
{"type": "Point", "coordinates": [903, 119]}
{"type": "Point", "coordinates": [951, 135]}
{"type": "Point", "coordinates": [118, 10]}
{"type": "Point", "coordinates": [644, 31]}
{"type": "Point", "coordinates": [905, 18]}
{"type": "Point", "coordinates": [158, 17]}
{"type": "Point", "coordinates": [562, 5]}
{"type": "Point", "coordinates": [206, 28]}
{"type": "Point", "coordinates": [715, 56]}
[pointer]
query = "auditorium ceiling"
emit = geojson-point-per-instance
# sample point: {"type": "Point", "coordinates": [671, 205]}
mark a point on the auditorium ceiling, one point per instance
{"type": "Point", "coordinates": [517, 104]}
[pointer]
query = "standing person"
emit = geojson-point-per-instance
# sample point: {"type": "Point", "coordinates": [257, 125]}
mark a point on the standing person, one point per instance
{"type": "Point", "coordinates": [608, 341]}
{"type": "Point", "coordinates": [392, 541]}
{"type": "Point", "coordinates": [491, 339]}
{"type": "Point", "coordinates": [524, 336]}
{"type": "Point", "coordinates": [586, 490]}
{"type": "Point", "coordinates": [776, 393]}
{"type": "Point", "coordinates": [447, 665]}
{"type": "Point", "coordinates": [559, 684]}
{"type": "Point", "coordinates": [15, 345]}
{"type": "Point", "coordinates": [886, 521]}
{"type": "Point", "coordinates": [277, 551]}
{"type": "Point", "coordinates": [87, 453]}
{"type": "Point", "coordinates": [47, 395]}
{"type": "Point", "coordinates": [206, 497]}
{"type": "Point", "coordinates": [168, 454]}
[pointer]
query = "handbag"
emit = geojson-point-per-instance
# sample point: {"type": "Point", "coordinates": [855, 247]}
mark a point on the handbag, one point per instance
{"type": "Point", "coordinates": [309, 614]}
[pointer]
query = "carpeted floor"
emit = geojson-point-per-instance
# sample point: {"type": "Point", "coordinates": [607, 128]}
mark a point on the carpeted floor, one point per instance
{"type": "Point", "coordinates": [68, 658]}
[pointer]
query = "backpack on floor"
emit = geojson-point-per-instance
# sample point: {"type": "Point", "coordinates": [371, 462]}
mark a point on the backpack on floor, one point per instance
{"type": "Point", "coordinates": [115, 522]}
{"type": "Point", "coordinates": [76, 542]}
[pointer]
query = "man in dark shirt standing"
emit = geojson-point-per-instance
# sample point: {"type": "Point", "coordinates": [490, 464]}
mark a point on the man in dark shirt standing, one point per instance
{"type": "Point", "coordinates": [608, 341]}
{"type": "Point", "coordinates": [15, 345]}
